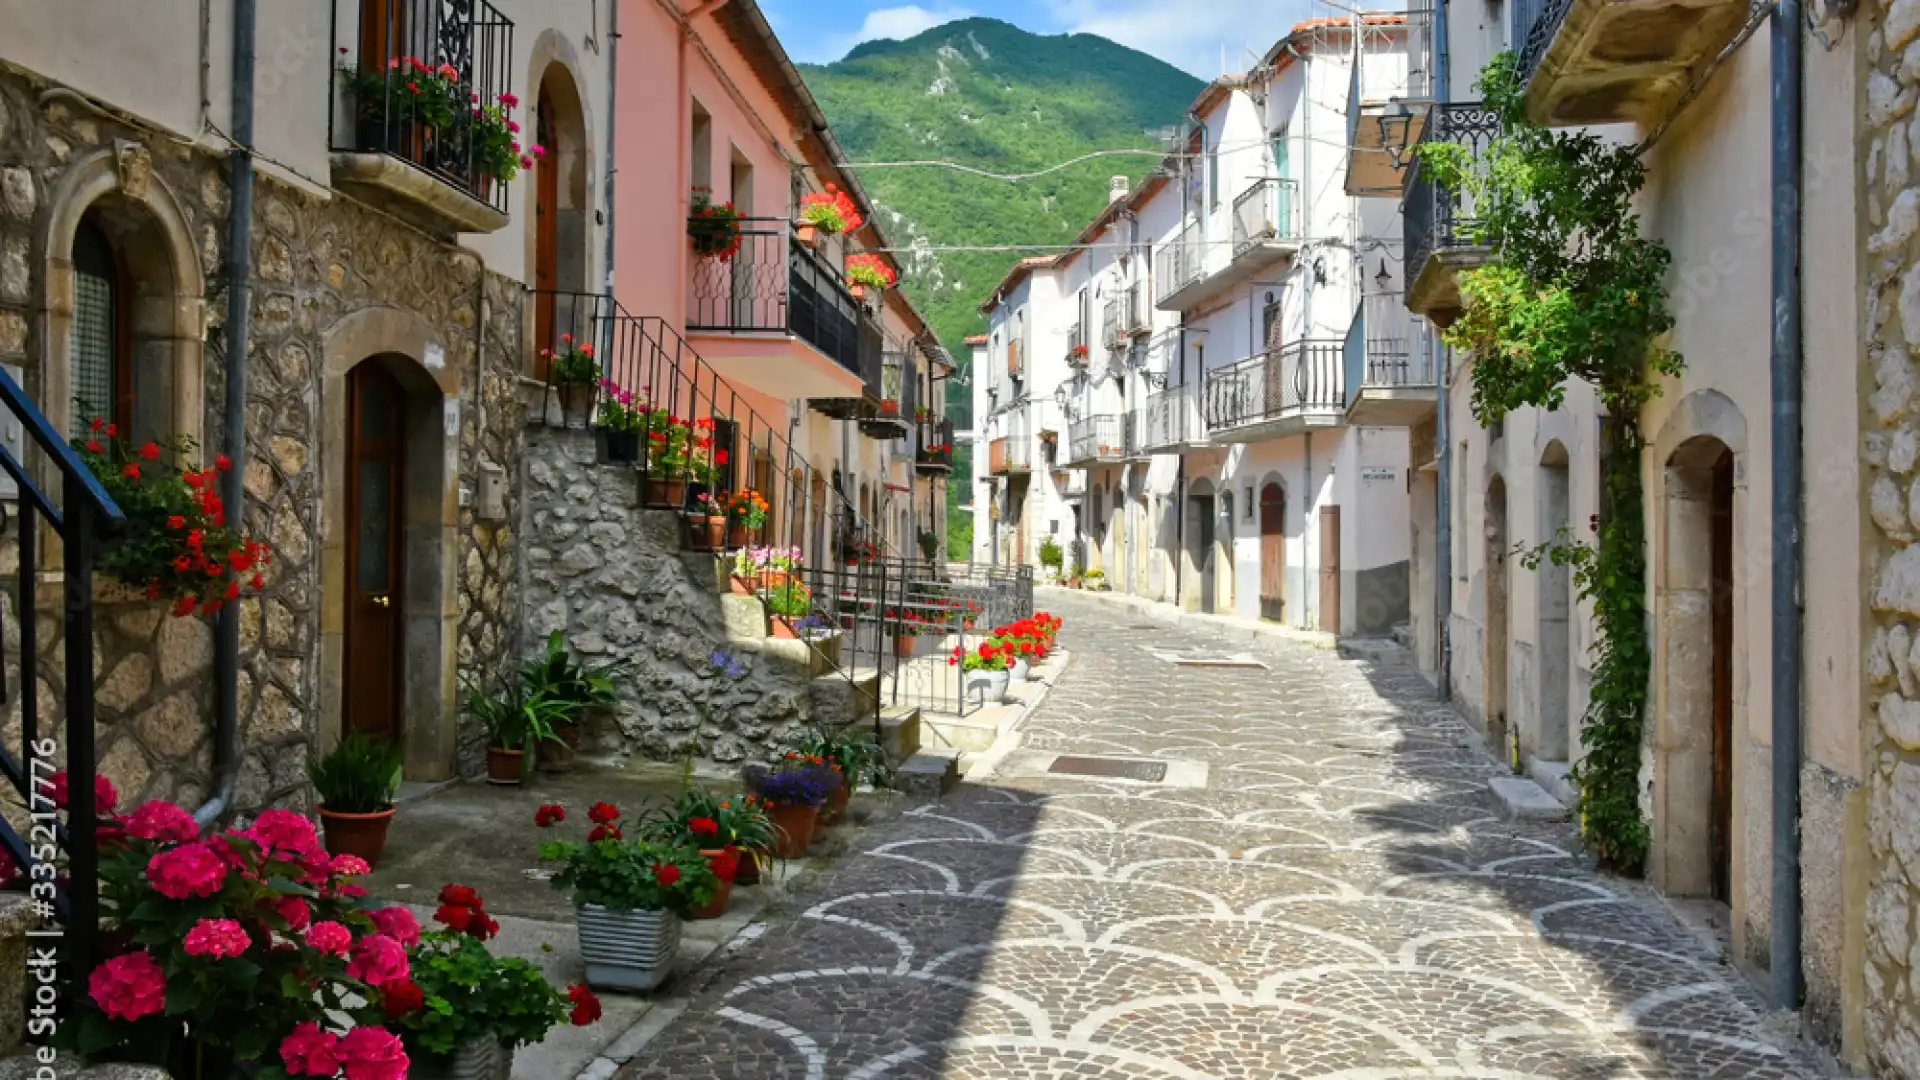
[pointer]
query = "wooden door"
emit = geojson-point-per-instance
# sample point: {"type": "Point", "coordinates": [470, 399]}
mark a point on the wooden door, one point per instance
{"type": "Point", "coordinates": [376, 455]}
{"type": "Point", "coordinates": [1330, 569]}
{"type": "Point", "coordinates": [546, 234]}
{"type": "Point", "coordinates": [1203, 553]}
{"type": "Point", "coordinates": [1721, 826]}
{"type": "Point", "coordinates": [379, 34]}
{"type": "Point", "coordinates": [1273, 552]}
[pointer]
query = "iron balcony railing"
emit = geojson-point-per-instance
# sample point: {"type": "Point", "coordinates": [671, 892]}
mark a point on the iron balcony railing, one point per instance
{"type": "Point", "coordinates": [460, 53]}
{"type": "Point", "coordinates": [1077, 351]}
{"type": "Point", "coordinates": [1267, 210]}
{"type": "Point", "coordinates": [1012, 452]}
{"type": "Point", "coordinates": [1172, 419]}
{"type": "Point", "coordinates": [1139, 312]}
{"type": "Point", "coordinates": [1434, 217]}
{"type": "Point", "coordinates": [1113, 322]}
{"type": "Point", "coordinates": [771, 283]}
{"type": "Point", "coordinates": [1177, 263]}
{"type": "Point", "coordinates": [1297, 377]}
{"type": "Point", "coordinates": [1096, 438]}
{"type": "Point", "coordinates": [934, 454]}
{"type": "Point", "coordinates": [1387, 346]}
{"type": "Point", "coordinates": [1535, 22]}
{"type": "Point", "coordinates": [1379, 76]}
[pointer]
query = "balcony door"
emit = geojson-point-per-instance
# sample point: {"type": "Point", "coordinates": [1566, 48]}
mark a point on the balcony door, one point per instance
{"type": "Point", "coordinates": [391, 29]}
{"type": "Point", "coordinates": [376, 458]}
{"type": "Point", "coordinates": [546, 231]}
{"type": "Point", "coordinates": [740, 180]}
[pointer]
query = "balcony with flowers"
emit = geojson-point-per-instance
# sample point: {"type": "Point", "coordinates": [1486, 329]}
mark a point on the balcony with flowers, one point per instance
{"type": "Point", "coordinates": [424, 121]}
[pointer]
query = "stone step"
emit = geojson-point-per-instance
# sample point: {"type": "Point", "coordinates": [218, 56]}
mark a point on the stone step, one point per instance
{"type": "Point", "coordinates": [973, 733]}
{"type": "Point", "coordinates": [1556, 778]}
{"type": "Point", "coordinates": [1523, 800]}
{"type": "Point", "coordinates": [900, 733]}
{"type": "Point", "coordinates": [928, 774]}
{"type": "Point", "coordinates": [840, 699]}
{"type": "Point", "coordinates": [16, 918]}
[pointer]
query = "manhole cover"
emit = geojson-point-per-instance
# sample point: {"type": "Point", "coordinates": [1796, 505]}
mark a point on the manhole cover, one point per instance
{"type": "Point", "coordinates": [1217, 660]}
{"type": "Point", "coordinates": [1151, 772]}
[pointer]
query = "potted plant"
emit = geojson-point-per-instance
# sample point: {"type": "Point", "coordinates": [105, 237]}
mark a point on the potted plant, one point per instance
{"type": "Point", "coordinates": [497, 153]}
{"type": "Point", "coordinates": [867, 271]}
{"type": "Point", "coordinates": [905, 629]}
{"type": "Point", "coordinates": [793, 793]}
{"type": "Point", "coordinates": [401, 107]}
{"type": "Point", "coordinates": [516, 719]}
{"type": "Point", "coordinates": [622, 421]}
{"type": "Point", "coordinates": [714, 227]}
{"type": "Point", "coordinates": [827, 213]}
{"type": "Point", "coordinates": [698, 819]}
{"type": "Point", "coordinates": [355, 783]}
{"type": "Point", "coordinates": [986, 671]}
{"type": "Point", "coordinates": [853, 757]}
{"type": "Point", "coordinates": [573, 371]}
{"type": "Point", "coordinates": [666, 442]}
{"type": "Point", "coordinates": [236, 953]}
{"type": "Point", "coordinates": [707, 526]}
{"type": "Point", "coordinates": [630, 894]}
{"type": "Point", "coordinates": [556, 676]}
{"type": "Point", "coordinates": [929, 543]}
{"type": "Point", "coordinates": [746, 516]}
{"type": "Point", "coordinates": [787, 602]}
{"type": "Point", "coordinates": [176, 544]}
{"type": "Point", "coordinates": [464, 1011]}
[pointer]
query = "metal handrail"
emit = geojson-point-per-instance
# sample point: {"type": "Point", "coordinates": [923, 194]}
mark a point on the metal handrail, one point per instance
{"type": "Point", "coordinates": [1177, 263]}
{"type": "Point", "coordinates": [1273, 385]}
{"type": "Point", "coordinates": [1436, 218]}
{"type": "Point", "coordinates": [1266, 210]}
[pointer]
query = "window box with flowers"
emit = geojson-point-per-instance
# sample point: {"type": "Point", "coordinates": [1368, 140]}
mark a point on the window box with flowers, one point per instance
{"type": "Point", "coordinates": [623, 417]}
{"type": "Point", "coordinates": [986, 672]}
{"type": "Point", "coordinates": [867, 271]}
{"type": "Point", "coordinates": [794, 793]}
{"type": "Point", "coordinates": [424, 143]}
{"type": "Point", "coordinates": [630, 893]}
{"type": "Point", "coordinates": [827, 213]}
{"type": "Point", "coordinates": [177, 545]}
{"type": "Point", "coordinates": [714, 227]}
{"type": "Point", "coordinates": [706, 460]}
{"type": "Point", "coordinates": [934, 457]}
{"type": "Point", "coordinates": [462, 1012]}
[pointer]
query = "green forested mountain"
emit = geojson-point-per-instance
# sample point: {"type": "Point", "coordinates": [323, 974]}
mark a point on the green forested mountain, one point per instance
{"type": "Point", "coordinates": [987, 94]}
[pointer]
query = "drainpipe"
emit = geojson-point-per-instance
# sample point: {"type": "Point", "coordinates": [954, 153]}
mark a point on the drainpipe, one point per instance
{"type": "Point", "coordinates": [1306, 518]}
{"type": "Point", "coordinates": [226, 654]}
{"type": "Point", "coordinates": [1180, 483]}
{"type": "Point", "coordinates": [1785, 437]}
{"type": "Point", "coordinates": [1443, 455]}
{"type": "Point", "coordinates": [613, 128]}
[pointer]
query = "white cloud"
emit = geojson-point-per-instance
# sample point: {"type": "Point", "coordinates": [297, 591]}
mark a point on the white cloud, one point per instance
{"type": "Point", "coordinates": [898, 23]}
{"type": "Point", "coordinates": [1191, 36]}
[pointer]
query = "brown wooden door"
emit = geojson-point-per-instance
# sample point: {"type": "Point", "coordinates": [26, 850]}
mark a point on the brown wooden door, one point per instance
{"type": "Point", "coordinates": [1330, 569]}
{"type": "Point", "coordinates": [546, 233]}
{"type": "Point", "coordinates": [379, 34]}
{"type": "Point", "coordinates": [1721, 827]}
{"type": "Point", "coordinates": [376, 453]}
{"type": "Point", "coordinates": [1273, 552]}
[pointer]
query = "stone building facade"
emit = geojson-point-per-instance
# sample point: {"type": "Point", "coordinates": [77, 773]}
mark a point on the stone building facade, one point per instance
{"type": "Point", "coordinates": [336, 282]}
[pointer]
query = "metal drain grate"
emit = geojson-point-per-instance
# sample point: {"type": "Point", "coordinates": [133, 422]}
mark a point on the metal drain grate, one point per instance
{"type": "Point", "coordinates": [1151, 772]}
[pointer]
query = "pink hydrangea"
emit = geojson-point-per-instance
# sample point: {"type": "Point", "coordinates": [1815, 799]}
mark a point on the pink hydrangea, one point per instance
{"type": "Point", "coordinates": [163, 821]}
{"type": "Point", "coordinates": [129, 987]}
{"type": "Point", "coordinates": [218, 938]}
{"type": "Point", "coordinates": [188, 870]}
{"type": "Point", "coordinates": [378, 959]}
{"type": "Point", "coordinates": [349, 866]}
{"type": "Point", "coordinates": [309, 1051]}
{"type": "Point", "coordinates": [284, 831]}
{"type": "Point", "coordinates": [397, 923]}
{"type": "Point", "coordinates": [330, 937]}
{"type": "Point", "coordinates": [373, 1053]}
{"type": "Point", "coordinates": [295, 910]}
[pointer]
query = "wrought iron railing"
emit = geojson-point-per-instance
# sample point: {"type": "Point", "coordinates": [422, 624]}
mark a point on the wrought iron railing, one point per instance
{"type": "Point", "coordinates": [1297, 377]}
{"type": "Point", "coordinates": [1434, 217]}
{"type": "Point", "coordinates": [1267, 210]}
{"type": "Point", "coordinates": [771, 283]}
{"type": "Point", "coordinates": [933, 454]}
{"type": "Point", "coordinates": [1010, 454]}
{"type": "Point", "coordinates": [1096, 438]}
{"type": "Point", "coordinates": [1535, 22]}
{"type": "Point", "coordinates": [1178, 262]}
{"type": "Point", "coordinates": [82, 518]}
{"type": "Point", "coordinates": [1172, 419]}
{"type": "Point", "coordinates": [1387, 346]}
{"type": "Point", "coordinates": [1139, 312]}
{"type": "Point", "coordinates": [400, 103]}
{"type": "Point", "coordinates": [1113, 322]}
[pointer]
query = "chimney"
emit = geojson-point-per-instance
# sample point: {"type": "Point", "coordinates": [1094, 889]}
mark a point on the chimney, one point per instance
{"type": "Point", "coordinates": [1116, 189]}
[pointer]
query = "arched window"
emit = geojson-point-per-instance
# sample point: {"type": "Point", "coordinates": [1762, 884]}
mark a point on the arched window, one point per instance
{"type": "Point", "coordinates": [100, 336]}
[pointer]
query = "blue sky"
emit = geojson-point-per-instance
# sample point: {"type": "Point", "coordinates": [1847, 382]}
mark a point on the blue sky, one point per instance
{"type": "Point", "coordinates": [1184, 33]}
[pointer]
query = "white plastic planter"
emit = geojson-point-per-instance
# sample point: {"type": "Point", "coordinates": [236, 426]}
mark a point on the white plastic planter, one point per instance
{"type": "Point", "coordinates": [480, 1059]}
{"type": "Point", "coordinates": [1020, 671]}
{"type": "Point", "coordinates": [627, 950]}
{"type": "Point", "coordinates": [987, 687]}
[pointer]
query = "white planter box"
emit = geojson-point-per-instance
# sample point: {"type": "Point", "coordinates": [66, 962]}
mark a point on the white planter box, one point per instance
{"type": "Point", "coordinates": [627, 950]}
{"type": "Point", "coordinates": [481, 1059]}
{"type": "Point", "coordinates": [987, 687]}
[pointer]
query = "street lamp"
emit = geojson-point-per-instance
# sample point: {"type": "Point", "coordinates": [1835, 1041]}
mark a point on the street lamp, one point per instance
{"type": "Point", "coordinates": [1396, 124]}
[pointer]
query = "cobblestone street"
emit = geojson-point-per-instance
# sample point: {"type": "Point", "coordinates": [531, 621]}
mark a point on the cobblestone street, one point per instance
{"type": "Point", "coordinates": [1318, 887]}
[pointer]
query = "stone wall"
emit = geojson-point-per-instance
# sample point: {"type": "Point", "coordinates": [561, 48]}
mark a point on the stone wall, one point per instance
{"type": "Point", "coordinates": [613, 577]}
{"type": "Point", "coordinates": [317, 260]}
{"type": "Point", "coordinates": [1891, 423]}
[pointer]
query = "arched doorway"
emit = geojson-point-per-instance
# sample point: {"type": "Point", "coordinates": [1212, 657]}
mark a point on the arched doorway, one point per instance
{"type": "Point", "coordinates": [1553, 609]}
{"type": "Point", "coordinates": [560, 196]}
{"type": "Point", "coordinates": [1696, 613]}
{"type": "Point", "coordinates": [1273, 551]}
{"type": "Point", "coordinates": [1495, 559]}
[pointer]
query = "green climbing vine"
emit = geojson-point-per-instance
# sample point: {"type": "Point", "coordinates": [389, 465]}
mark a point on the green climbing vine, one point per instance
{"type": "Point", "coordinates": [1572, 290]}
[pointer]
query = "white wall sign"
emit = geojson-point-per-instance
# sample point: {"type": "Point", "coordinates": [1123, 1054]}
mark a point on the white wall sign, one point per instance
{"type": "Point", "coordinates": [1378, 474]}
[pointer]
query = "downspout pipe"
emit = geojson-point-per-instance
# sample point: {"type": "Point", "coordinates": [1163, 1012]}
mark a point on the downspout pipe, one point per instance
{"type": "Point", "coordinates": [1443, 437]}
{"type": "Point", "coordinates": [226, 653]}
{"type": "Point", "coordinates": [1785, 366]}
{"type": "Point", "coordinates": [613, 128]}
{"type": "Point", "coordinates": [1180, 489]}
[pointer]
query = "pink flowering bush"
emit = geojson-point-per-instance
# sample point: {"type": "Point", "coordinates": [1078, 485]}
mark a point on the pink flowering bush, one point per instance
{"type": "Point", "coordinates": [244, 952]}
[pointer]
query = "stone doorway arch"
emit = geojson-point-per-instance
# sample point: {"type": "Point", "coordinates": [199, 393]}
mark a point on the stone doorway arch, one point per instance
{"type": "Point", "coordinates": [396, 342]}
{"type": "Point", "coordinates": [1497, 638]}
{"type": "Point", "coordinates": [1553, 611]}
{"type": "Point", "coordinates": [558, 197]}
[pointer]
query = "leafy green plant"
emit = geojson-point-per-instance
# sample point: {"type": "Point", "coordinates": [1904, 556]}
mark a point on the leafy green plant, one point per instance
{"type": "Point", "coordinates": [470, 994]}
{"type": "Point", "coordinates": [515, 718]}
{"type": "Point", "coordinates": [853, 752]}
{"type": "Point", "coordinates": [556, 676]}
{"type": "Point", "coordinates": [790, 599]}
{"type": "Point", "coordinates": [714, 227]}
{"type": "Point", "coordinates": [1574, 291]}
{"type": "Point", "coordinates": [572, 364]}
{"type": "Point", "coordinates": [357, 776]}
{"type": "Point", "coordinates": [622, 873]}
{"type": "Point", "coordinates": [1051, 555]}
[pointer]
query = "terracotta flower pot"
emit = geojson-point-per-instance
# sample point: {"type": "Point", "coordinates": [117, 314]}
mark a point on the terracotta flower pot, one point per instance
{"type": "Point", "coordinates": [858, 290]}
{"type": "Point", "coordinates": [749, 873]}
{"type": "Point", "coordinates": [557, 757]}
{"type": "Point", "coordinates": [783, 629]}
{"type": "Point", "coordinates": [506, 766]}
{"type": "Point", "coordinates": [739, 586]}
{"type": "Point", "coordinates": [738, 536]}
{"type": "Point", "coordinates": [793, 827]}
{"type": "Point", "coordinates": [717, 906]}
{"type": "Point", "coordinates": [707, 532]}
{"type": "Point", "coordinates": [364, 835]}
{"type": "Point", "coordinates": [807, 233]}
{"type": "Point", "coordinates": [904, 644]}
{"type": "Point", "coordinates": [666, 494]}
{"type": "Point", "coordinates": [836, 809]}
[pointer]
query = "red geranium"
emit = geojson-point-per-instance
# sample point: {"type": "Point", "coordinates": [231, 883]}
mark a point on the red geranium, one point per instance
{"type": "Point", "coordinates": [603, 813]}
{"type": "Point", "coordinates": [586, 1007]}
{"type": "Point", "coordinates": [667, 874]}
{"type": "Point", "coordinates": [400, 998]}
{"type": "Point", "coordinates": [549, 814]}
